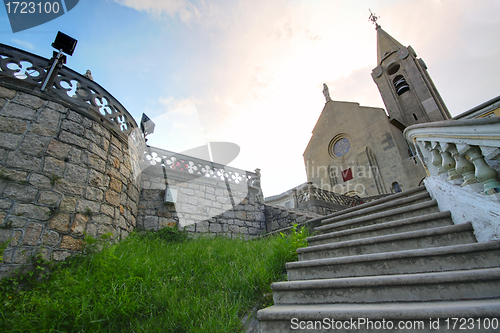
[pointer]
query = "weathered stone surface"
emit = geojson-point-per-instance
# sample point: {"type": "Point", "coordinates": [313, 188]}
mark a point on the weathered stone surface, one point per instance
{"type": "Point", "coordinates": [73, 139]}
{"type": "Point", "coordinates": [9, 140]}
{"type": "Point", "coordinates": [84, 205]}
{"type": "Point", "coordinates": [102, 219]}
{"type": "Point", "coordinates": [70, 243]}
{"type": "Point", "coordinates": [40, 181]}
{"type": "Point", "coordinates": [58, 107]}
{"type": "Point", "coordinates": [75, 116]}
{"type": "Point", "coordinates": [98, 179]}
{"type": "Point", "coordinates": [54, 168]}
{"type": "Point", "coordinates": [202, 226]}
{"type": "Point", "coordinates": [43, 131]}
{"type": "Point", "coordinates": [31, 211]}
{"type": "Point", "coordinates": [21, 255]}
{"type": "Point", "coordinates": [49, 198]}
{"type": "Point", "coordinates": [29, 100]}
{"type": "Point", "coordinates": [98, 151]}
{"type": "Point", "coordinates": [60, 255]}
{"type": "Point", "coordinates": [20, 192]}
{"type": "Point", "coordinates": [108, 210]}
{"type": "Point", "coordinates": [87, 123]}
{"type": "Point", "coordinates": [92, 193]}
{"type": "Point", "coordinates": [151, 223]}
{"type": "Point", "coordinates": [95, 162]}
{"type": "Point", "coordinates": [49, 118]}
{"type": "Point", "coordinates": [16, 236]}
{"type": "Point", "coordinates": [58, 149]}
{"type": "Point", "coordinates": [116, 185]}
{"type": "Point", "coordinates": [7, 93]}
{"type": "Point", "coordinates": [79, 225]}
{"type": "Point", "coordinates": [18, 111]}
{"type": "Point", "coordinates": [113, 197]}
{"type": "Point", "coordinates": [9, 174]}
{"type": "Point", "coordinates": [68, 187]}
{"type": "Point", "coordinates": [76, 173]}
{"type": "Point", "coordinates": [5, 235]}
{"type": "Point", "coordinates": [32, 234]}
{"type": "Point", "coordinates": [50, 238]}
{"type": "Point", "coordinates": [215, 227]}
{"type": "Point", "coordinates": [11, 125]}
{"type": "Point", "coordinates": [72, 127]}
{"type": "Point", "coordinates": [91, 229]}
{"type": "Point", "coordinates": [60, 222]}
{"type": "Point", "coordinates": [100, 130]}
{"type": "Point", "coordinates": [33, 145]}
{"type": "Point", "coordinates": [68, 204]}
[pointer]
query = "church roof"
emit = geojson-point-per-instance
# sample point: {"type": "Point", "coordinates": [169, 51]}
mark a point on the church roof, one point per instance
{"type": "Point", "coordinates": [386, 44]}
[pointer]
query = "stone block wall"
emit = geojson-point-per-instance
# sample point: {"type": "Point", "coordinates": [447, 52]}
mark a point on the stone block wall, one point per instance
{"type": "Point", "coordinates": [278, 217]}
{"type": "Point", "coordinates": [202, 206]}
{"type": "Point", "coordinates": [62, 174]}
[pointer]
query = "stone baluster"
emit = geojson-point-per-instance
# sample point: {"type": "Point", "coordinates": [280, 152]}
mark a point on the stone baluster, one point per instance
{"type": "Point", "coordinates": [295, 198]}
{"type": "Point", "coordinates": [437, 160]}
{"type": "Point", "coordinates": [449, 162]}
{"type": "Point", "coordinates": [310, 190]}
{"type": "Point", "coordinates": [463, 166]}
{"type": "Point", "coordinates": [484, 173]}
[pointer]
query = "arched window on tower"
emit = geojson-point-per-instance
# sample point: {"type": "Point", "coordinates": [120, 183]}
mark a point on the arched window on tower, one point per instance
{"type": "Point", "coordinates": [400, 84]}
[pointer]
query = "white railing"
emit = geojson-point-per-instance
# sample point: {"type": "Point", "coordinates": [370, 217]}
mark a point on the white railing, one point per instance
{"type": "Point", "coordinates": [467, 151]}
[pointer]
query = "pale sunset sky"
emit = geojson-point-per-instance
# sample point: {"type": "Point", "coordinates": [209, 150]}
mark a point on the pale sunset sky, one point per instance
{"type": "Point", "coordinates": [251, 72]}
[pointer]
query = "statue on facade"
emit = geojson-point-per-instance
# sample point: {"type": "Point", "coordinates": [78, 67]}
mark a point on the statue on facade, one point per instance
{"type": "Point", "coordinates": [88, 75]}
{"type": "Point", "coordinates": [79, 89]}
{"type": "Point", "coordinates": [326, 93]}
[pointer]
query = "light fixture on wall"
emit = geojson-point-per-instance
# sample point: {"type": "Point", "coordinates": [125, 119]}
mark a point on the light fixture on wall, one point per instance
{"type": "Point", "coordinates": [64, 44]}
{"type": "Point", "coordinates": [147, 126]}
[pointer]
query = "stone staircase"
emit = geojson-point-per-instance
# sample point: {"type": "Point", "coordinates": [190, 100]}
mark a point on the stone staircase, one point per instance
{"type": "Point", "coordinates": [394, 261]}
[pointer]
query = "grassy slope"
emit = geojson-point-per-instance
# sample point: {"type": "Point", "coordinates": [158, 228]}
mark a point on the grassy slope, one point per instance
{"type": "Point", "coordinates": [148, 283]}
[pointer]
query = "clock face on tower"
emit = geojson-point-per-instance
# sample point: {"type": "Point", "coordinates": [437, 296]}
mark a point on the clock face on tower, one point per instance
{"type": "Point", "coordinates": [341, 147]}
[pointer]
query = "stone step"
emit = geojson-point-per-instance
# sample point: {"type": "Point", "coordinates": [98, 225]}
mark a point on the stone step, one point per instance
{"type": "Point", "coordinates": [380, 201]}
{"type": "Point", "coordinates": [427, 221]}
{"type": "Point", "coordinates": [421, 287]}
{"type": "Point", "coordinates": [414, 210]}
{"type": "Point", "coordinates": [396, 202]}
{"type": "Point", "coordinates": [435, 237]}
{"type": "Point", "coordinates": [445, 258]}
{"type": "Point", "coordinates": [278, 318]}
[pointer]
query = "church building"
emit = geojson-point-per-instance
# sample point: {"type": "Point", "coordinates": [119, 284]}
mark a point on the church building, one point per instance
{"type": "Point", "coordinates": [358, 150]}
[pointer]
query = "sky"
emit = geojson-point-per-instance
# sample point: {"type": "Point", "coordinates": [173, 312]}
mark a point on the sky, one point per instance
{"type": "Point", "coordinates": [251, 72]}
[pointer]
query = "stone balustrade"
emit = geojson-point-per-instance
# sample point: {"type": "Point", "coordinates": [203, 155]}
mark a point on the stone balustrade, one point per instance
{"type": "Point", "coordinates": [183, 166]}
{"type": "Point", "coordinates": [466, 152]}
{"type": "Point", "coordinates": [24, 71]}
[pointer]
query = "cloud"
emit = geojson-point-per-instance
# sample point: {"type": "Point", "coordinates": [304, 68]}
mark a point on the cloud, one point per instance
{"type": "Point", "coordinates": [23, 43]}
{"type": "Point", "coordinates": [184, 9]}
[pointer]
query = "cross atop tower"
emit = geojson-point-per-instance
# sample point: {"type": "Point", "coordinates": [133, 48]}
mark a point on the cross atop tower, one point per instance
{"type": "Point", "coordinates": [374, 19]}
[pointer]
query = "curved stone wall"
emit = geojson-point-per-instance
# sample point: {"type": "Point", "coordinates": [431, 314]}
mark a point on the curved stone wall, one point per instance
{"type": "Point", "coordinates": [63, 174]}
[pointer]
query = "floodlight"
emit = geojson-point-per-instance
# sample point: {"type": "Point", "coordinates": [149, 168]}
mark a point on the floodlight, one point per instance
{"type": "Point", "coordinates": [147, 125]}
{"type": "Point", "coordinates": [63, 43]}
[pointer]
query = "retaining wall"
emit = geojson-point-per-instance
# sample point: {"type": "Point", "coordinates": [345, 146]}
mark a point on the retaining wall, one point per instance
{"type": "Point", "coordinates": [62, 174]}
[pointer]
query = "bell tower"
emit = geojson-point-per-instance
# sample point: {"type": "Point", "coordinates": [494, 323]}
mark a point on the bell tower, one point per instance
{"type": "Point", "coordinates": [409, 94]}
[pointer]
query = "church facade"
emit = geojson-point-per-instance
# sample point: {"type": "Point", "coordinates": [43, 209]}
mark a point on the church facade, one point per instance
{"type": "Point", "coordinates": [358, 150]}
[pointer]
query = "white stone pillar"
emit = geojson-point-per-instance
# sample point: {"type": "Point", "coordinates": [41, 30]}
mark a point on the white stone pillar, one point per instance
{"type": "Point", "coordinates": [437, 160]}
{"type": "Point", "coordinates": [463, 166]}
{"type": "Point", "coordinates": [484, 173]}
{"type": "Point", "coordinates": [449, 162]}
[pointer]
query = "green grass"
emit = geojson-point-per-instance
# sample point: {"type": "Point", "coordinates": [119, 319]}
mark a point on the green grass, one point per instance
{"type": "Point", "coordinates": [150, 282]}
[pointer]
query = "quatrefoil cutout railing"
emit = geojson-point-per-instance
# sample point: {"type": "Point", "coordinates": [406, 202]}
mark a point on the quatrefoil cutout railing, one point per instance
{"type": "Point", "coordinates": [197, 167]}
{"type": "Point", "coordinates": [68, 85]}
